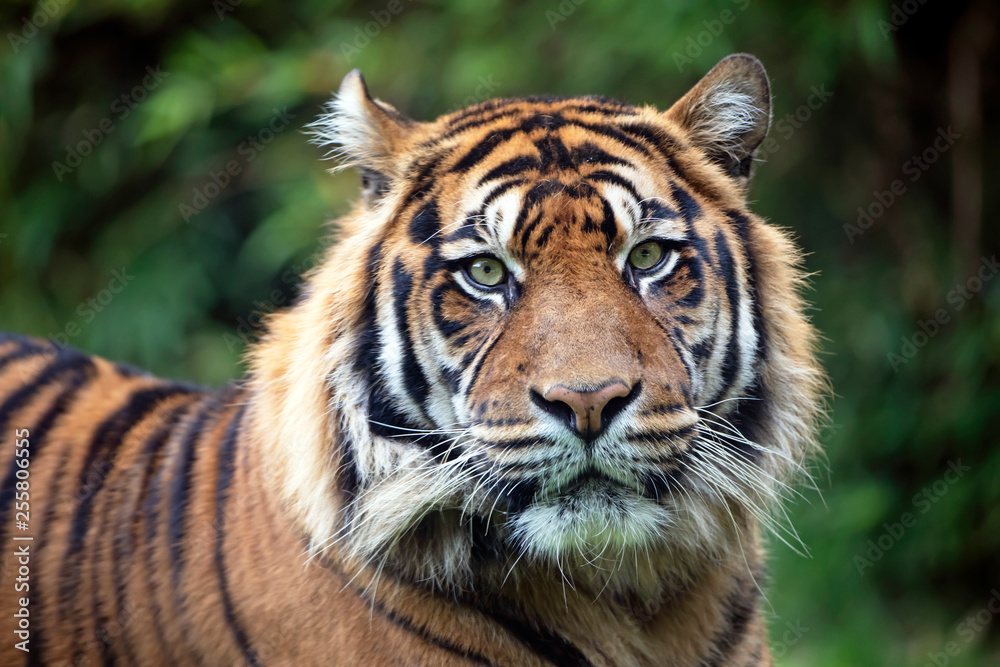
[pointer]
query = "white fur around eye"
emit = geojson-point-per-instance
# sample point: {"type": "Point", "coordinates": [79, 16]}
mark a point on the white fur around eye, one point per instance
{"type": "Point", "coordinates": [665, 268]}
{"type": "Point", "coordinates": [478, 292]}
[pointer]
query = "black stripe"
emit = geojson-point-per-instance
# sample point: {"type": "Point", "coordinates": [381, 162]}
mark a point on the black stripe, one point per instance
{"type": "Point", "coordinates": [447, 327]}
{"type": "Point", "coordinates": [654, 136]}
{"type": "Point", "coordinates": [703, 350]}
{"type": "Point", "coordinates": [482, 358]}
{"type": "Point", "coordinates": [742, 224]}
{"type": "Point", "coordinates": [610, 177]}
{"type": "Point", "coordinates": [499, 191]}
{"type": "Point", "coordinates": [180, 488]}
{"type": "Point", "coordinates": [589, 153]}
{"type": "Point", "coordinates": [751, 415]}
{"type": "Point", "coordinates": [480, 120]}
{"type": "Point", "coordinates": [51, 504]}
{"type": "Point", "coordinates": [537, 193]}
{"type": "Point", "coordinates": [726, 270]}
{"type": "Point", "coordinates": [65, 362]}
{"type": "Point", "coordinates": [408, 624]}
{"type": "Point", "coordinates": [123, 546]}
{"type": "Point", "coordinates": [367, 345]}
{"type": "Point", "coordinates": [543, 238]}
{"type": "Point", "coordinates": [417, 387]}
{"type": "Point", "coordinates": [38, 439]}
{"type": "Point", "coordinates": [420, 178]}
{"type": "Point", "coordinates": [424, 634]}
{"type": "Point", "coordinates": [530, 227]}
{"type": "Point", "coordinates": [609, 226]}
{"type": "Point", "coordinates": [673, 434]}
{"type": "Point", "coordinates": [227, 455]}
{"type": "Point", "coordinates": [614, 133]}
{"type": "Point", "coordinates": [513, 443]}
{"type": "Point", "coordinates": [482, 150]}
{"type": "Point", "coordinates": [691, 211]}
{"type": "Point", "coordinates": [151, 513]}
{"type": "Point", "coordinates": [741, 605]}
{"type": "Point", "coordinates": [543, 642]}
{"type": "Point", "coordinates": [26, 348]}
{"type": "Point", "coordinates": [425, 225]}
{"type": "Point", "coordinates": [471, 228]}
{"type": "Point", "coordinates": [554, 154]}
{"type": "Point", "coordinates": [348, 476]}
{"type": "Point", "coordinates": [513, 167]}
{"type": "Point", "coordinates": [697, 292]}
{"type": "Point", "coordinates": [518, 495]}
{"type": "Point", "coordinates": [543, 121]}
{"type": "Point", "coordinates": [385, 418]}
{"type": "Point", "coordinates": [102, 448]}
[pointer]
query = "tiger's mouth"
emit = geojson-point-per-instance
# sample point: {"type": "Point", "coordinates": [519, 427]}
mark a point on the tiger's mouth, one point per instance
{"type": "Point", "coordinates": [588, 489]}
{"type": "Point", "coordinates": [589, 479]}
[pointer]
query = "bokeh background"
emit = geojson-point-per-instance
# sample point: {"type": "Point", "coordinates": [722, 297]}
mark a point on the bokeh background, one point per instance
{"type": "Point", "coordinates": [157, 193]}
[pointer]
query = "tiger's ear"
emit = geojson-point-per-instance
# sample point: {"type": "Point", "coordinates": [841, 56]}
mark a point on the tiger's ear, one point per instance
{"type": "Point", "coordinates": [364, 133]}
{"type": "Point", "coordinates": [728, 112]}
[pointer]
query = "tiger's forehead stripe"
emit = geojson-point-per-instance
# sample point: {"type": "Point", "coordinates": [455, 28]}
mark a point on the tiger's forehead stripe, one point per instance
{"type": "Point", "coordinates": [550, 142]}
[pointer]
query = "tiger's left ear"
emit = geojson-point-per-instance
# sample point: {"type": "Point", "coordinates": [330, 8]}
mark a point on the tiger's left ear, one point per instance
{"type": "Point", "coordinates": [727, 113]}
{"type": "Point", "coordinates": [364, 133]}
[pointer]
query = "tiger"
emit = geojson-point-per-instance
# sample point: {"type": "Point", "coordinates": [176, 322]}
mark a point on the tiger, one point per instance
{"type": "Point", "coordinates": [540, 404]}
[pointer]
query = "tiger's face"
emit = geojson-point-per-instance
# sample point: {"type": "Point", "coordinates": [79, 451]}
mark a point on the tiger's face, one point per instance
{"type": "Point", "coordinates": [563, 352]}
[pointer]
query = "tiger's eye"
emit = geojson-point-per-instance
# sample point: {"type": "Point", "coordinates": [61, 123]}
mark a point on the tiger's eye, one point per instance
{"type": "Point", "coordinates": [487, 271]}
{"type": "Point", "coordinates": [645, 255]}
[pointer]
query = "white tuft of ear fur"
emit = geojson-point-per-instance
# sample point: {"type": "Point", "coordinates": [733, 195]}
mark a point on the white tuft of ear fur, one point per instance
{"type": "Point", "coordinates": [364, 133]}
{"type": "Point", "coordinates": [727, 113]}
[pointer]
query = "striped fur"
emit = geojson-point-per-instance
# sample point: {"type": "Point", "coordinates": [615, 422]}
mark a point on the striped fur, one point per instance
{"type": "Point", "coordinates": [392, 483]}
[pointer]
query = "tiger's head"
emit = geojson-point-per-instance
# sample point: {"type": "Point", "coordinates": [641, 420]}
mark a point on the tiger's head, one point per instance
{"type": "Point", "coordinates": [550, 335]}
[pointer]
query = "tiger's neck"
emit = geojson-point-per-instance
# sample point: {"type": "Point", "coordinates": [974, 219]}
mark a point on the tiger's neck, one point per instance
{"type": "Point", "coordinates": [275, 600]}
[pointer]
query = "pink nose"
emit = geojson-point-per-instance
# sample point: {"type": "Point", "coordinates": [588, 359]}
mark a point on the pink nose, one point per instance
{"type": "Point", "coordinates": [588, 407]}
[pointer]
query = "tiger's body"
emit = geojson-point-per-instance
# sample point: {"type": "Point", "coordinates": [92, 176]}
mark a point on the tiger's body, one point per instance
{"type": "Point", "coordinates": [532, 409]}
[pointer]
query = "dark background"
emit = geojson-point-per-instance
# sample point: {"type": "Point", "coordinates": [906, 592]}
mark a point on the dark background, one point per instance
{"type": "Point", "coordinates": [86, 190]}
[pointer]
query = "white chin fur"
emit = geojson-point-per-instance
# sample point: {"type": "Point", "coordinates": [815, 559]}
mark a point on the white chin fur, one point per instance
{"type": "Point", "coordinates": [594, 519]}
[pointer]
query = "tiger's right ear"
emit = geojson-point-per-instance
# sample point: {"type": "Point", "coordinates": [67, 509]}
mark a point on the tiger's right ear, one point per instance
{"type": "Point", "coordinates": [727, 113]}
{"type": "Point", "coordinates": [364, 133]}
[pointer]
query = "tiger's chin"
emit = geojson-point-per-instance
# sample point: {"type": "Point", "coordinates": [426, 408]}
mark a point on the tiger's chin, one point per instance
{"type": "Point", "coordinates": [610, 538]}
{"type": "Point", "coordinates": [592, 519]}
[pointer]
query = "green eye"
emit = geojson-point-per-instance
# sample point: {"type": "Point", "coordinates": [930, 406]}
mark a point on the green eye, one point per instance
{"type": "Point", "coordinates": [487, 271]}
{"type": "Point", "coordinates": [646, 255]}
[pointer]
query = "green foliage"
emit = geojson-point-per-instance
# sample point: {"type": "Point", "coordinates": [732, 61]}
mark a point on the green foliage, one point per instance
{"type": "Point", "coordinates": [207, 256]}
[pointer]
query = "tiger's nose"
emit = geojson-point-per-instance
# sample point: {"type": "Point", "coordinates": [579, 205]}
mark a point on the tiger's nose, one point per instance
{"type": "Point", "coordinates": [586, 411]}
